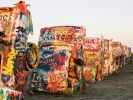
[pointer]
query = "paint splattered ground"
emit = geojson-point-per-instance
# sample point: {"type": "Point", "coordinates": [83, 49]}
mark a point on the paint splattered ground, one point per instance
{"type": "Point", "coordinates": [118, 86]}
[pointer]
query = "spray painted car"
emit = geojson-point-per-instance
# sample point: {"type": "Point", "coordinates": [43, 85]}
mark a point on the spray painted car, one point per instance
{"type": "Point", "coordinates": [127, 53]}
{"type": "Point", "coordinates": [92, 59]}
{"type": "Point", "coordinates": [17, 56]}
{"type": "Point", "coordinates": [60, 61]}
{"type": "Point", "coordinates": [116, 53]}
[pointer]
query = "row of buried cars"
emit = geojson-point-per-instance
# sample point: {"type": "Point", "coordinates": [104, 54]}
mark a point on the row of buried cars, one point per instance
{"type": "Point", "coordinates": [64, 60]}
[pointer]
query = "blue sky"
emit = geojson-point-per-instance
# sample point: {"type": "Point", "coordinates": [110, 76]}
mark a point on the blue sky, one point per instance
{"type": "Point", "coordinates": [112, 18]}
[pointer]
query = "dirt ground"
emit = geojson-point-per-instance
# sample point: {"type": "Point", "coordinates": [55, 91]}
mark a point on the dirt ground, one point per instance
{"type": "Point", "coordinates": [118, 86]}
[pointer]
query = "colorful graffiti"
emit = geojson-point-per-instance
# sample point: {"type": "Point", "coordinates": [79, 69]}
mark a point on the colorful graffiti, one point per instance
{"type": "Point", "coordinates": [16, 55]}
{"type": "Point", "coordinates": [116, 53]}
{"type": "Point", "coordinates": [8, 94]}
{"type": "Point", "coordinates": [58, 69]}
{"type": "Point", "coordinates": [7, 71]}
{"type": "Point", "coordinates": [63, 58]}
{"type": "Point", "coordinates": [105, 69]}
{"type": "Point", "coordinates": [32, 56]}
{"type": "Point", "coordinates": [92, 59]}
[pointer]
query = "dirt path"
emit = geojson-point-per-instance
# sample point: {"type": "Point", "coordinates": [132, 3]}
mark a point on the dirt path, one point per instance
{"type": "Point", "coordinates": [118, 86]}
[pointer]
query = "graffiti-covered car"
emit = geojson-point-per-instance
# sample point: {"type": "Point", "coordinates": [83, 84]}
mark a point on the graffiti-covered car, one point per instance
{"type": "Point", "coordinates": [92, 59]}
{"type": "Point", "coordinates": [17, 56]}
{"type": "Point", "coordinates": [126, 54]}
{"type": "Point", "coordinates": [60, 61]}
{"type": "Point", "coordinates": [116, 55]}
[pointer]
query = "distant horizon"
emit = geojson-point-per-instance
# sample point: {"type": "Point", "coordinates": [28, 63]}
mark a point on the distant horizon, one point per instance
{"type": "Point", "coordinates": [113, 18]}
